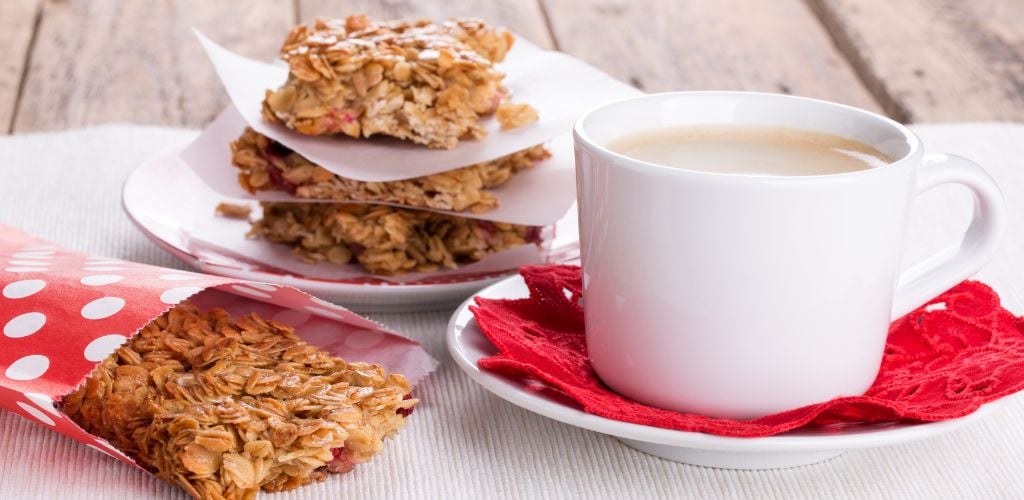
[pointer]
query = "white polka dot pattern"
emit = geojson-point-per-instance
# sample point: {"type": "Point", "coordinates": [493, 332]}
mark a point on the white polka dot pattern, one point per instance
{"type": "Point", "coordinates": [28, 368]}
{"type": "Point", "coordinates": [363, 339]}
{"type": "Point", "coordinates": [319, 311]}
{"type": "Point", "coordinates": [37, 413]}
{"type": "Point", "coordinates": [104, 262]}
{"type": "Point", "coordinates": [176, 277]}
{"type": "Point", "coordinates": [35, 254]}
{"type": "Point", "coordinates": [102, 308]}
{"type": "Point", "coordinates": [101, 279]}
{"type": "Point", "coordinates": [250, 291]}
{"type": "Point", "coordinates": [27, 263]}
{"type": "Point", "coordinates": [43, 401]}
{"type": "Point", "coordinates": [175, 295]}
{"type": "Point", "coordinates": [102, 268]}
{"type": "Point", "coordinates": [23, 288]}
{"type": "Point", "coordinates": [62, 312]}
{"type": "Point", "coordinates": [101, 347]}
{"type": "Point", "coordinates": [24, 325]}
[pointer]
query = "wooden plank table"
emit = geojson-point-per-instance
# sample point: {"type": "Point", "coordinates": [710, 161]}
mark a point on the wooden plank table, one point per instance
{"type": "Point", "coordinates": [75, 63]}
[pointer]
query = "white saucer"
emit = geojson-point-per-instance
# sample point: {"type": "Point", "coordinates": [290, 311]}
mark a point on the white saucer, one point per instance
{"type": "Point", "coordinates": [468, 345]}
{"type": "Point", "coordinates": [163, 196]}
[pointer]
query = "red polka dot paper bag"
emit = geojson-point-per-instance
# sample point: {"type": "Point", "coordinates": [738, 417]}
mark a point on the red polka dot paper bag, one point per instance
{"type": "Point", "coordinates": [63, 312]}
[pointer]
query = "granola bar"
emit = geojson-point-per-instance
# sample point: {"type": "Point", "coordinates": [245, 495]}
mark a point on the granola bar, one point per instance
{"type": "Point", "coordinates": [415, 80]}
{"type": "Point", "coordinates": [268, 165]}
{"type": "Point", "coordinates": [224, 408]}
{"type": "Point", "coordinates": [386, 240]}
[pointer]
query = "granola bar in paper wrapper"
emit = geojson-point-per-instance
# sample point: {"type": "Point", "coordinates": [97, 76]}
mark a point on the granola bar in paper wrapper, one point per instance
{"type": "Point", "coordinates": [560, 87]}
{"type": "Point", "coordinates": [152, 198]}
{"type": "Point", "coordinates": [63, 312]}
{"type": "Point", "coordinates": [537, 196]}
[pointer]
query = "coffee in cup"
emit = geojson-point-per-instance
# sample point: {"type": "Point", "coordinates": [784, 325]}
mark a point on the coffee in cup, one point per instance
{"type": "Point", "coordinates": [741, 251]}
{"type": "Point", "coordinates": [749, 150]}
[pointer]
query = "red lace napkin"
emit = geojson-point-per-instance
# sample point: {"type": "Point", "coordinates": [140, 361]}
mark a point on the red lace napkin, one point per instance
{"type": "Point", "coordinates": [942, 361]}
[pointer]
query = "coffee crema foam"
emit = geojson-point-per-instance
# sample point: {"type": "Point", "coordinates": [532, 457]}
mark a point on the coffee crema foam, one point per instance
{"type": "Point", "coordinates": [749, 150]}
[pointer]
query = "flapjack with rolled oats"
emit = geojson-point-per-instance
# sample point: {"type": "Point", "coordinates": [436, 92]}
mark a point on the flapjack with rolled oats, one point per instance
{"type": "Point", "coordinates": [418, 81]}
{"type": "Point", "coordinates": [225, 407]}
{"type": "Point", "coordinates": [265, 164]}
{"type": "Point", "coordinates": [386, 240]}
{"type": "Point", "coordinates": [429, 83]}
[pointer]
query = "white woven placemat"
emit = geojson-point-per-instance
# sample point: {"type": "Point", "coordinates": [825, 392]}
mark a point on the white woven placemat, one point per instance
{"type": "Point", "coordinates": [464, 443]}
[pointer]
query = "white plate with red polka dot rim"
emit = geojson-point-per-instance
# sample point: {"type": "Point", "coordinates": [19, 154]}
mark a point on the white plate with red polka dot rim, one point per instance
{"type": "Point", "coordinates": [153, 198]}
{"type": "Point", "coordinates": [467, 345]}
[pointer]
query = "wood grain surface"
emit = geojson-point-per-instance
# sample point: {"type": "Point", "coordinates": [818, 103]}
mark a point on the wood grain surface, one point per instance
{"type": "Point", "coordinates": [666, 45]}
{"type": "Point", "coordinates": [137, 61]}
{"type": "Point", "coordinates": [935, 60]}
{"type": "Point", "coordinates": [521, 16]}
{"type": "Point", "coordinates": [76, 63]}
{"type": "Point", "coordinates": [17, 24]}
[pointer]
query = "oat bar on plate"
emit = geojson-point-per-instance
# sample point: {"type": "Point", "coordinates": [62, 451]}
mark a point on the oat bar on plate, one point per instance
{"type": "Point", "coordinates": [268, 165]}
{"type": "Point", "coordinates": [415, 80]}
{"type": "Point", "coordinates": [386, 240]}
{"type": "Point", "coordinates": [224, 408]}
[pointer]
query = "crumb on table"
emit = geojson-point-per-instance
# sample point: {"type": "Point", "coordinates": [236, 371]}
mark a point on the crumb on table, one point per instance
{"type": "Point", "coordinates": [233, 210]}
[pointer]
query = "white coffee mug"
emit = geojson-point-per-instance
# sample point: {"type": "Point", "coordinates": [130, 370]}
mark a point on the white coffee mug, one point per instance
{"type": "Point", "coordinates": [740, 296]}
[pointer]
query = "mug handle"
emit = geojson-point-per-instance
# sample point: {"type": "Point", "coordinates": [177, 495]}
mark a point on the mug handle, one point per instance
{"type": "Point", "coordinates": [942, 271]}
